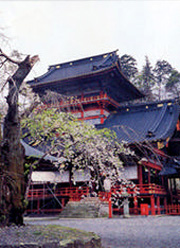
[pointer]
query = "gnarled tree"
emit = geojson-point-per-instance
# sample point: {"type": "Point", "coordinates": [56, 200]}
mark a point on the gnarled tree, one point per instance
{"type": "Point", "coordinates": [12, 153]}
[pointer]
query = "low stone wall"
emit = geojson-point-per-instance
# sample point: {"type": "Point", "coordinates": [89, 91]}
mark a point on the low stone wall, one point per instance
{"type": "Point", "coordinates": [89, 207]}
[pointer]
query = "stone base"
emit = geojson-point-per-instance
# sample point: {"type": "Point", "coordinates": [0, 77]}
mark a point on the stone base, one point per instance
{"type": "Point", "coordinates": [89, 207]}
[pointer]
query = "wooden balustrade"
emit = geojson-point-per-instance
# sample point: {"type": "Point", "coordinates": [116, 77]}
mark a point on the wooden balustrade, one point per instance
{"type": "Point", "coordinates": [151, 188]}
{"type": "Point", "coordinates": [76, 193]}
{"type": "Point", "coordinates": [103, 196]}
{"type": "Point", "coordinates": [72, 192]}
{"type": "Point", "coordinates": [173, 209]}
{"type": "Point", "coordinates": [81, 100]}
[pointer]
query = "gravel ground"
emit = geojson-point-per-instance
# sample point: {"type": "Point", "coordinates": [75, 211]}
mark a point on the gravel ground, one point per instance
{"type": "Point", "coordinates": [25, 234]}
{"type": "Point", "coordinates": [136, 232]}
{"type": "Point", "coordinates": [39, 235]}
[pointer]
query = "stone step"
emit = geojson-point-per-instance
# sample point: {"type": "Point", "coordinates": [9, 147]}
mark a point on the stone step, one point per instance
{"type": "Point", "coordinates": [90, 207]}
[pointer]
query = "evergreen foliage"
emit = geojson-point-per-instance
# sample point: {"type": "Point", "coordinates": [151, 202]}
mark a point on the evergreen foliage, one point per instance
{"type": "Point", "coordinates": [128, 66]}
{"type": "Point", "coordinates": [173, 84]}
{"type": "Point", "coordinates": [146, 80]}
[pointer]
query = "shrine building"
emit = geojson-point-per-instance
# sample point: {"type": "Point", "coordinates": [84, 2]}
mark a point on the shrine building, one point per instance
{"type": "Point", "coordinates": [95, 90]}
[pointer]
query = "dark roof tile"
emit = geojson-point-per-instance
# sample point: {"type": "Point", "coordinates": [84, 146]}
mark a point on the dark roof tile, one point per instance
{"type": "Point", "coordinates": [97, 73]}
{"type": "Point", "coordinates": [147, 122]}
{"type": "Point", "coordinates": [77, 68]}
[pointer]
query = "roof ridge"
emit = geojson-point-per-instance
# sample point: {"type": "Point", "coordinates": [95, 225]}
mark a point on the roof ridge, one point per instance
{"type": "Point", "coordinates": [82, 59]}
{"type": "Point", "coordinates": [147, 104]}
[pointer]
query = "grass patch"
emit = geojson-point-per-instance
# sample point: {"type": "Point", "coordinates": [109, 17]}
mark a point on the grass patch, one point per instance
{"type": "Point", "coordinates": [37, 233]}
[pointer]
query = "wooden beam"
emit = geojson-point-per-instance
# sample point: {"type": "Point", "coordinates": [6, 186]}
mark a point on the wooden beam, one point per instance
{"type": "Point", "coordinates": [152, 165]}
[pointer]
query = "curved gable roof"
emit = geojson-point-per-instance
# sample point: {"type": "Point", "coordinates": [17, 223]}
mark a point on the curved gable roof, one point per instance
{"type": "Point", "coordinates": [97, 73]}
{"type": "Point", "coordinates": [148, 122]}
{"type": "Point", "coordinates": [76, 68]}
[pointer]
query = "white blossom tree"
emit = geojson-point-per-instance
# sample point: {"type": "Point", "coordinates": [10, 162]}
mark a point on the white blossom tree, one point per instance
{"type": "Point", "coordinates": [81, 144]}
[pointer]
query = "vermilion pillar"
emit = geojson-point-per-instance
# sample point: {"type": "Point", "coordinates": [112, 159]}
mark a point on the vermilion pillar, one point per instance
{"type": "Point", "coordinates": [165, 204]}
{"type": "Point", "coordinates": [63, 202]}
{"type": "Point", "coordinates": [140, 174]}
{"type": "Point", "coordinates": [178, 125]}
{"type": "Point", "coordinates": [149, 175]}
{"type": "Point", "coordinates": [102, 113]}
{"type": "Point", "coordinates": [135, 205]}
{"type": "Point", "coordinates": [158, 205]}
{"type": "Point", "coordinates": [152, 205]}
{"type": "Point", "coordinates": [110, 204]}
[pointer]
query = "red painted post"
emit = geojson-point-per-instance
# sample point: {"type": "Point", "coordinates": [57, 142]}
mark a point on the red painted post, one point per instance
{"type": "Point", "coordinates": [102, 113]}
{"type": "Point", "coordinates": [63, 202]}
{"type": "Point", "coordinates": [140, 175]}
{"type": "Point", "coordinates": [158, 205]}
{"type": "Point", "coordinates": [165, 205]}
{"type": "Point", "coordinates": [135, 205]}
{"type": "Point", "coordinates": [149, 175]}
{"type": "Point", "coordinates": [110, 204]}
{"type": "Point", "coordinates": [152, 205]}
{"type": "Point", "coordinates": [38, 206]}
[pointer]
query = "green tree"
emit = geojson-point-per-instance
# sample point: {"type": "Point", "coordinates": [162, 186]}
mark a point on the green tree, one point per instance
{"type": "Point", "coordinates": [128, 66]}
{"type": "Point", "coordinates": [145, 80]}
{"type": "Point", "coordinates": [173, 84]}
{"type": "Point", "coordinates": [161, 71]}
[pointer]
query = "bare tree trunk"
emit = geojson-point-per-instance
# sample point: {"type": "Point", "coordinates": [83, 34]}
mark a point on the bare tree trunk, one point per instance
{"type": "Point", "coordinates": [13, 188]}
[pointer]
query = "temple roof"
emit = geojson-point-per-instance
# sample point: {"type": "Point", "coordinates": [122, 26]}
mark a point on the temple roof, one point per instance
{"type": "Point", "coordinates": [76, 68]}
{"type": "Point", "coordinates": [36, 153]}
{"type": "Point", "coordinates": [146, 122]}
{"type": "Point", "coordinates": [171, 167]}
{"type": "Point", "coordinates": [97, 73]}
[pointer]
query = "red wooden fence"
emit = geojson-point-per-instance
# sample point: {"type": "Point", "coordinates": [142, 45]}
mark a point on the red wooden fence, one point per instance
{"type": "Point", "coordinates": [151, 188]}
{"type": "Point", "coordinates": [77, 193]}
{"type": "Point", "coordinates": [173, 209]}
{"type": "Point", "coordinates": [74, 193]}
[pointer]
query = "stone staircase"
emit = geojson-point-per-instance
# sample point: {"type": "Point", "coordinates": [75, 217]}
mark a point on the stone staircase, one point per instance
{"type": "Point", "coordinates": [89, 207]}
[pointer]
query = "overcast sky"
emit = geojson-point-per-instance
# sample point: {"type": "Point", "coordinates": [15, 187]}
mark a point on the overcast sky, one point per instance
{"type": "Point", "coordinates": [61, 31]}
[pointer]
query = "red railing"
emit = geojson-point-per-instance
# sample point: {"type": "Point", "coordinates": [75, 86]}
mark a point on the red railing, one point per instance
{"type": "Point", "coordinates": [103, 196]}
{"type": "Point", "coordinates": [118, 191]}
{"type": "Point", "coordinates": [77, 193]}
{"type": "Point", "coordinates": [74, 193]}
{"type": "Point", "coordinates": [102, 96]}
{"type": "Point", "coordinates": [123, 190]}
{"type": "Point", "coordinates": [151, 188]}
{"type": "Point", "coordinates": [82, 100]}
{"type": "Point", "coordinates": [173, 209]}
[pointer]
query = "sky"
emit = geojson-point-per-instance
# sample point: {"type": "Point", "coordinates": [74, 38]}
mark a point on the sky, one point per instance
{"type": "Point", "coordinates": [62, 31]}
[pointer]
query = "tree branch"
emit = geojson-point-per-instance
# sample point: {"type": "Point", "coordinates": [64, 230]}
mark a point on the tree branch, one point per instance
{"type": "Point", "coordinates": [2, 54]}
